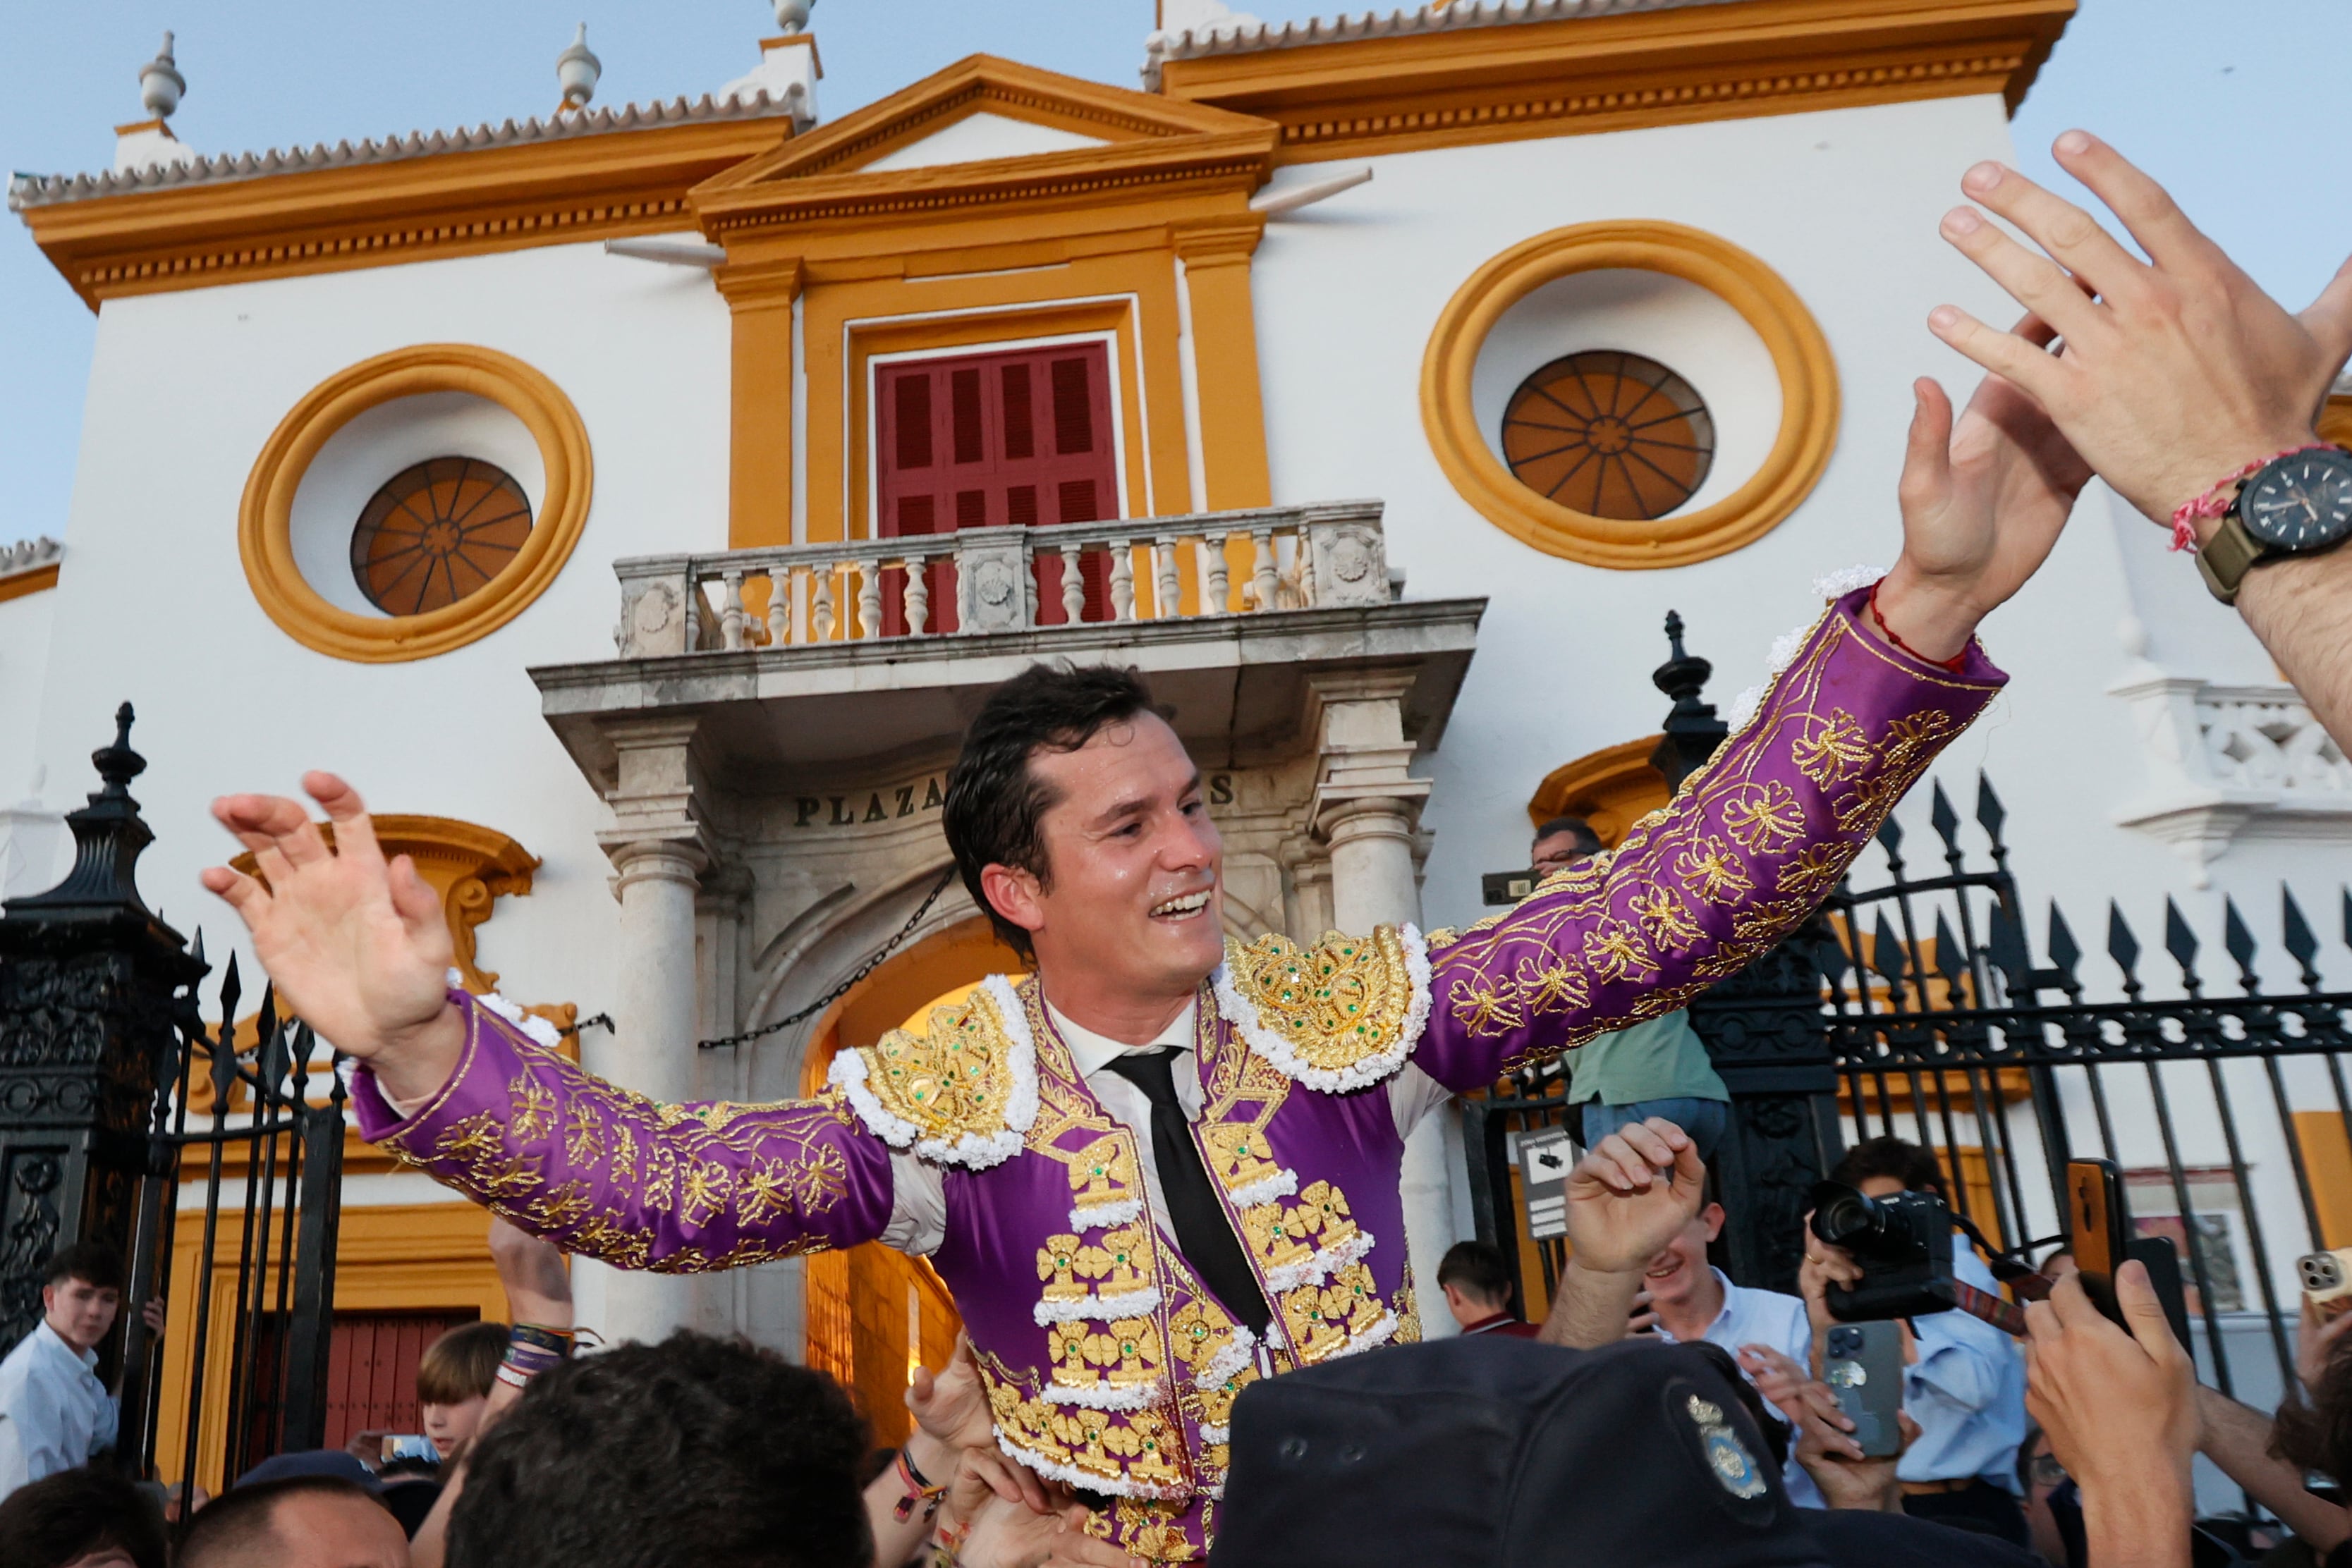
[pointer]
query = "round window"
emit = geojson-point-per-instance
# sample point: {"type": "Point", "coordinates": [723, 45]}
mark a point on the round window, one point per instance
{"type": "Point", "coordinates": [1610, 434]}
{"type": "Point", "coordinates": [436, 532]}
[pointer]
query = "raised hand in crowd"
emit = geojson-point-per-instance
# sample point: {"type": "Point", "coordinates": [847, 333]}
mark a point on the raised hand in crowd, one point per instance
{"type": "Point", "coordinates": [1847, 1479]}
{"type": "Point", "coordinates": [2177, 374]}
{"type": "Point", "coordinates": [1626, 1198]}
{"type": "Point", "coordinates": [1803, 1400]}
{"type": "Point", "coordinates": [2316, 1344]}
{"type": "Point", "coordinates": [950, 1408]}
{"type": "Point", "coordinates": [357, 945]}
{"type": "Point", "coordinates": [2121, 1414]}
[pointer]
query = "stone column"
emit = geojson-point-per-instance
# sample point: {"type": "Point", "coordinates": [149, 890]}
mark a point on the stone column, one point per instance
{"type": "Point", "coordinates": [1367, 808]}
{"type": "Point", "coordinates": [658, 854]}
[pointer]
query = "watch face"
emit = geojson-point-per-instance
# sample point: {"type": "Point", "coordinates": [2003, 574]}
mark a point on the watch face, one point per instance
{"type": "Point", "coordinates": [2301, 502]}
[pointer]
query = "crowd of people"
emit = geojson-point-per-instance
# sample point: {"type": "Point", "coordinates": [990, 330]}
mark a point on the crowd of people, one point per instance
{"type": "Point", "coordinates": [1672, 1414]}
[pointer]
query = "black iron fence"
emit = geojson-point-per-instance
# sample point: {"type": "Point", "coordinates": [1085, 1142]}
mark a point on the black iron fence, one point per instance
{"type": "Point", "coordinates": [1913, 1005]}
{"type": "Point", "coordinates": [211, 1155]}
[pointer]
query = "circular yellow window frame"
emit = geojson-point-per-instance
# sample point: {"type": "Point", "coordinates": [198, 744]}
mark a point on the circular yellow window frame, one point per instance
{"type": "Point", "coordinates": [264, 518]}
{"type": "Point", "coordinates": [1809, 395]}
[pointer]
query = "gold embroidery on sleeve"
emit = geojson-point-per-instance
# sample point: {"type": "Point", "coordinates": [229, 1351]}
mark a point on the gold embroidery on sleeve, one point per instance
{"type": "Point", "coordinates": [1830, 750]}
{"type": "Point", "coordinates": [1765, 817]}
{"type": "Point", "coordinates": [1709, 870]}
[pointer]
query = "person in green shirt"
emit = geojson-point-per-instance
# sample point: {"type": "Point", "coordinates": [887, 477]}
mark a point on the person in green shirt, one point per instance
{"type": "Point", "coordinates": [1657, 1067]}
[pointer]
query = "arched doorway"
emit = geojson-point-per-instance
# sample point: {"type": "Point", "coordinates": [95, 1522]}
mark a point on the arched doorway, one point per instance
{"type": "Point", "coordinates": [873, 1315]}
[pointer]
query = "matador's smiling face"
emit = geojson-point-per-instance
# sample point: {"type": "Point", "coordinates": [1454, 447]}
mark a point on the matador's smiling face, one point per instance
{"type": "Point", "coordinates": [1133, 890]}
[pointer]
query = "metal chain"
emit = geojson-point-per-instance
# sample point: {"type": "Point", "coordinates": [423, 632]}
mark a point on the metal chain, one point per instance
{"type": "Point", "coordinates": [873, 962]}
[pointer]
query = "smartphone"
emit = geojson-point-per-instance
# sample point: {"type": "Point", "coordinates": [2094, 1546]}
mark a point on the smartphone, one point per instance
{"type": "Point", "coordinates": [1865, 1366]}
{"type": "Point", "coordinates": [2327, 1282]}
{"type": "Point", "coordinates": [2098, 1229]}
{"type": "Point", "coordinates": [409, 1446]}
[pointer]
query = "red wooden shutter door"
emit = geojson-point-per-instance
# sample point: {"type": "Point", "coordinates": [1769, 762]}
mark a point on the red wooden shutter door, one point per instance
{"type": "Point", "coordinates": [1023, 437]}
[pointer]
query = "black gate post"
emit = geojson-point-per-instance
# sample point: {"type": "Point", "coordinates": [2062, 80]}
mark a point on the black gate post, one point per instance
{"type": "Point", "coordinates": [1763, 1030]}
{"type": "Point", "coordinates": [89, 981]}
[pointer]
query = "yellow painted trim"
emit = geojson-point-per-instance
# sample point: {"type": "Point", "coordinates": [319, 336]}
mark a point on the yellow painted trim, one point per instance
{"type": "Point", "coordinates": [39, 579]}
{"type": "Point", "coordinates": [467, 203]}
{"type": "Point", "coordinates": [1468, 86]}
{"type": "Point", "coordinates": [264, 517]}
{"type": "Point", "coordinates": [1809, 395]}
{"type": "Point", "coordinates": [1610, 789]}
{"type": "Point", "coordinates": [394, 1258]}
{"type": "Point", "coordinates": [1216, 256]}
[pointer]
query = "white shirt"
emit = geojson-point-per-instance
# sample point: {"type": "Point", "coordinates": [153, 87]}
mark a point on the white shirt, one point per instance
{"type": "Point", "coordinates": [1767, 1317]}
{"type": "Point", "coordinates": [54, 1412]}
{"type": "Point", "coordinates": [918, 1204]}
{"type": "Point", "coordinates": [1966, 1391]}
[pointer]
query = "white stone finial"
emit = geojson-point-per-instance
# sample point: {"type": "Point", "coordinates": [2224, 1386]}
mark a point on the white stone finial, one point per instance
{"type": "Point", "coordinates": [161, 85]}
{"type": "Point", "coordinates": [576, 69]}
{"type": "Point", "coordinates": [793, 15]}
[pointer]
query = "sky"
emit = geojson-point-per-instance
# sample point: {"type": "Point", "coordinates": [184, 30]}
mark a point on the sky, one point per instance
{"type": "Point", "coordinates": [2230, 102]}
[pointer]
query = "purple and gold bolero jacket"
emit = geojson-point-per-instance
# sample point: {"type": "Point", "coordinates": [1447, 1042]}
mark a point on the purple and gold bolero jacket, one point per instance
{"type": "Point", "coordinates": [1106, 1363]}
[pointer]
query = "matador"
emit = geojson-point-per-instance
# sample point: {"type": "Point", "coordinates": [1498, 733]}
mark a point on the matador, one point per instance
{"type": "Point", "coordinates": [1140, 1212]}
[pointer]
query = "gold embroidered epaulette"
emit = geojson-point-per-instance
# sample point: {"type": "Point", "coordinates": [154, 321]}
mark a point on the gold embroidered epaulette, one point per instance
{"type": "Point", "coordinates": [962, 1094]}
{"type": "Point", "coordinates": [1337, 1016]}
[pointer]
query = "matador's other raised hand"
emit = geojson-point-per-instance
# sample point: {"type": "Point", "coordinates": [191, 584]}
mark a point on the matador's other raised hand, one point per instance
{"type": "Point", "coordinates": [357, 948]}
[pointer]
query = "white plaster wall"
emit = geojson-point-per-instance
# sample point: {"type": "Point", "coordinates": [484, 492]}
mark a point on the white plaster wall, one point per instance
{"type": "Point", "coordinates": [1843, 205]}
{"type": "Point", "coordinates": [979, 137]}
{"type": "Point", "coordinates": [155, 605]}
{"type": "Point", "coordinates": [32, 838]}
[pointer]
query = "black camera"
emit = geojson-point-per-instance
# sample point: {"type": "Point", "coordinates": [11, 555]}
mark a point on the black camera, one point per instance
{"type": "Point", "coordinates": [1904, 1243]}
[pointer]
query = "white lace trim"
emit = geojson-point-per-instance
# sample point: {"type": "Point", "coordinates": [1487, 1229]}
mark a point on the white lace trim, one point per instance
{"type": "Point", "coordinates": [969, 1150]}
{"type": "Point", "coordinates": [538, 1030]}
{"type": "Point", "coordinates": [1838, 584]}
{"type": "Point", "coordinates": [1283, 1183]}
{"type": "Point", "coordinates": [1072, 1309]}
{"type": "Point", "coordinates": [1213, 1433]}
{"type": "Point", "coordinates": [1326, 1262]}
{"type": "Point", "coordinates": [1103, 1396]}
{"type": "Point", "coordinates": [1237, 1356]}
{"type": "Point", "coordinates": [1786, 646]}
{"type": "Point", "coordinates": [1071, 1476]}
{"type": "Point", "coordinates": [1106, 1214]}
{"type": "Point", "coordinates": [1284, 1057]}
{"type": "Point", "coordinates": [1380, 1334]}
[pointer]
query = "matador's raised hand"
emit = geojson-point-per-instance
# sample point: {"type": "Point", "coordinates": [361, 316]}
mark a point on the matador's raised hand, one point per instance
{"type": "Point", "coordinates": [357, 948]}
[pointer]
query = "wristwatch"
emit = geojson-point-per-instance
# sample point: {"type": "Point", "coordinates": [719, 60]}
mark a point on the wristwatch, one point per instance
{"type": "Point", "coordinates": [2299, 505]}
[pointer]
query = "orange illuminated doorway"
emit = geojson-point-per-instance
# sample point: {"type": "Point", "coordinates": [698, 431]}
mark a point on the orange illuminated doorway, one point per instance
{"type": "Point", "coordinates": [873, 1314]}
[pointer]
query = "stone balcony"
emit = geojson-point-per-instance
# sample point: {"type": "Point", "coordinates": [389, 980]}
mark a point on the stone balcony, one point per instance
{"type": "Point", "coordinates": [798, 660]}
{"type": "Point", "coordinates": [2233, 762]}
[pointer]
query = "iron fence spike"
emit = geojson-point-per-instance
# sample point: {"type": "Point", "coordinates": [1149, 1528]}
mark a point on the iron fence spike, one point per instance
{"type": "Point", "coordinates": [336, 1093]}
{"type": "Point", "coordinates": [197, 947]}
{"type": "Point", "coordinates": [305, 1043]}
{"type": "Point", "coordinates": [1886, 954]}
{"type": "Point", "coordinates": [1949, 961]}
{"type": "Point", "coordinates": [1945, 821]}
{"type": "Point", "coordinates": [2179, 940]}
{"type": "Point", "coordinates": [2347, 917]}
{"type": "Point", "coordinates": [265, 1020]}
{"type": "Point", "coordinates": [2239, 942]}
{"type": "Point", "coordinates": [2122, 945]}
{"type": "Point", "coordinates": [1890, 836]}
{"type": "Point", "coordinates": [1991, 813]}
{"type": "Point", "coordinates": [2295, 932]}
{"type": "Point", "coordinates": [2005, 943]}
{"type": "Point", "coordinates": [232, 991]}
{"type": "Point", "coordinates": [2064, 954]}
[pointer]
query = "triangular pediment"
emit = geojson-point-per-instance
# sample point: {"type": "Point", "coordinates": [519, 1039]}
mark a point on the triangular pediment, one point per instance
{"type": "Point", "coordinates": [984, 110]}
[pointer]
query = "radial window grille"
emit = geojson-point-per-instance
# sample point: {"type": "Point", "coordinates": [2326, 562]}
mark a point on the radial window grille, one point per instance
{"type": "Point", "coordinates": [1610, 434]}
{"type": "Point", "coordinates": [436, 532]}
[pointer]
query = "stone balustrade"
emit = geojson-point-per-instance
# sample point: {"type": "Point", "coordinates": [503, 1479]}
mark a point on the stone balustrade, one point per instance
{"type": "Point", "coordinates": [982, 580]}
{"type": "Point", "coordinates": [2233, 762]}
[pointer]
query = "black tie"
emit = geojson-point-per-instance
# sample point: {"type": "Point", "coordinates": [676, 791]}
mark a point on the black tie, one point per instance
{"type": "Point", "coordinates": [1201, 1230]}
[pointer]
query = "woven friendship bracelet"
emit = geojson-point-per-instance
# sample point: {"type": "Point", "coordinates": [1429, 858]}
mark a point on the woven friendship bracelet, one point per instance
{"type": "Point", "coordinates": [2213, 503]}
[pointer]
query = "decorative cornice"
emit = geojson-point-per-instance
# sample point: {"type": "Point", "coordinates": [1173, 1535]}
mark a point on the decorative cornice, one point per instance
{"type": "Point", "coordinates": [29, 190]}
{"type": "Point", "coordinates": [29, 566]}
{"type": "Point", "coordinates": [405, 200]}
{"type": "Point", "coordinates": [1241, 159]}
{"type": "Point", "coordinates": [1258, 37]}
{"type": "Point", "coordinates": [1553, 68]}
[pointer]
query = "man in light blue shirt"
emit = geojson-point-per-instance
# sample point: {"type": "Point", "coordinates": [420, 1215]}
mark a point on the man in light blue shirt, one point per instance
{"type": "Point", "coordinates": [55, 1414]}
{"type": "Point", "coordinates": [1690, 1299]}
{"type": "Point", "coordinates": [1967, 1389]}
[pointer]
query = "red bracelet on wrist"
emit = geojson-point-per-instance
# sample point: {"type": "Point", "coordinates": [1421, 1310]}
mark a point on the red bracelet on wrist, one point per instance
{"type": "Point", "coordinates": [920, 1492]}
{"type": "Point", "coordinates": [1955, 663]}
{"type": "Point", "coordinates": [2213, 504]}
